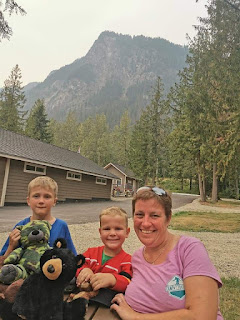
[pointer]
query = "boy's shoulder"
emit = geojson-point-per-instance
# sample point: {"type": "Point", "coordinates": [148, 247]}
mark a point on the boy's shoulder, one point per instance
{"type": "Point", "coordinates": [23, 222]}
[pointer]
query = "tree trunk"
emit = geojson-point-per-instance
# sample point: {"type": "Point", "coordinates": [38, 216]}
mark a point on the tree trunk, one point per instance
{"type": "Point", "coordinates": [215, 184]}
{"type": "Point", "coordinates": [236, 184]}
{"type": "Point", "coordinates": [201, 181]}
{"type": "Point", "coordinates": [182, 183]}
{"type": "Point", "coordinates": [190, 184]}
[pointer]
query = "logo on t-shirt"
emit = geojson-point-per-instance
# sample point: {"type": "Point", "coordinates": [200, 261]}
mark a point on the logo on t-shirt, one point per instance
{"type": "Point", "coordinates": [175, 288]}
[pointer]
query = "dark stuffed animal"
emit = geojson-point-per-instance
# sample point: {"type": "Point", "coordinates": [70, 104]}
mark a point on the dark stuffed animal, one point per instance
{"type": "Point", "coordinates": [21, 262]}
{"type": "Point", "coordinates": [41, 295]}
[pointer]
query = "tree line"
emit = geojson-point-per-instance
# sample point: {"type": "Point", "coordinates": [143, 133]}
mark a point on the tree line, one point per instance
{"type": "Point", "coordinates": [192, 133]}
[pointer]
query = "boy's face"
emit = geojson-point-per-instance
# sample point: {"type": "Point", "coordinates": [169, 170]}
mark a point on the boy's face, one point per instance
{"type": "Point", "coordinates": [41, 201]}
{"type": "Point", "coordinates": [113, 232]}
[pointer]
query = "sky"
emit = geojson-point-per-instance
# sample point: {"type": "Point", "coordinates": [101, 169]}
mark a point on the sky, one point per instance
{"type": "Point", "coordinates": [54, 33]}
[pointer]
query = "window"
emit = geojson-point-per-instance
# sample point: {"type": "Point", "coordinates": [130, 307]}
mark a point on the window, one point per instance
{"type": "Point", "coordinates": [101, 181]}
{"type": "Point", "coordinates": [34, 168]}
{"type": "Point", "coordinates": [74, 176]}
{"type": "Point", "coordinates": [117, 182]}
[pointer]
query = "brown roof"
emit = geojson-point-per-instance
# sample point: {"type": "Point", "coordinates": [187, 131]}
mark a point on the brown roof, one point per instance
{"type": "Point", "coordinates": [129, 173]}
{"type": "Point", "coordinates": [17, 146]}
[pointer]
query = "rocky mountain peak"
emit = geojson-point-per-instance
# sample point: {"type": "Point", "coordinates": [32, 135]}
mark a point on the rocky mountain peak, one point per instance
{"type": "Point", "coordinates": [116, 74]}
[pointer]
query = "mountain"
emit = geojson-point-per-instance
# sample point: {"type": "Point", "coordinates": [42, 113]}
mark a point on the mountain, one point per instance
{"type": "Point", "coordinates": [30, 86]}
{"type": "Point", "coordinates": [117, 73]}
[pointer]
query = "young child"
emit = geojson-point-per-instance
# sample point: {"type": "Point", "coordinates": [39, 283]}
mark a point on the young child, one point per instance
{"type": "Point", "coordinates": [42, 196]}
{"type": "Point", "coordinates": [108, 266]}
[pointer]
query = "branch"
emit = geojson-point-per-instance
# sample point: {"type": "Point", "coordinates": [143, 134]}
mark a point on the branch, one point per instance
{"type": "Point", "coordinates": [10, 7]}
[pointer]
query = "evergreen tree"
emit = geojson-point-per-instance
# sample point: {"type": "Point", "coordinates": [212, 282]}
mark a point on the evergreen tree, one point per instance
{"type": "Point", "coordinates": [37, 124]}
{"type": "Point", "coordinates": [12, 100]}
{"type": "Point", "coordinates": [94, 140]}
{"type": "Point", "coordinates": [138, 151]}
{"type": "Point", "coordinates": [207, 98]}
{"type": "Point", "coordinates": [148, 145]}
{"type": "Point", "coordinates": [66, 134]}
{"type": "Point", "coordinates": [121, 140]}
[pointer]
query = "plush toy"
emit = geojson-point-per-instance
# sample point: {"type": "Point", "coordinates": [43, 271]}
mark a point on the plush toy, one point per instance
{"type": "Point", "coordinates": [25, 260]}
{"type": "Point", "coordinates": [41, 295]}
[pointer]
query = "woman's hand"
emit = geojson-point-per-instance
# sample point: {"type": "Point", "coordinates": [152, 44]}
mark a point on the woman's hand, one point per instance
{"type": "Point", "coordinates": [102, 280]}
{"type": "Point", "coordinates": [84, 276]}
{"type": "Point", "coordinates": [120, 305]}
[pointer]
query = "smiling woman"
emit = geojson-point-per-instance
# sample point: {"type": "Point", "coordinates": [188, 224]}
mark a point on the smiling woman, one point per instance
{"type": "Point", "coordinates": [174, 272]}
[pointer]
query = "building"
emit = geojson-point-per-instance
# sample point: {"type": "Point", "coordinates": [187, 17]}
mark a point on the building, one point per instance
{"type": "Point", "coordinates": [126, 183]}
{"type": "Point", "coordinates": [23, 158]}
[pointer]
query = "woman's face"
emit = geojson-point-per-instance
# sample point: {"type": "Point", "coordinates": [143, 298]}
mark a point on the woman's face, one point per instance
{"type": "Point", "coordinates": [150, 222]}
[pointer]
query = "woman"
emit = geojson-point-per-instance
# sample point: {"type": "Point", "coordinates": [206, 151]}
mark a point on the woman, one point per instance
{"type": "Point", "coordinates": [173, 277]}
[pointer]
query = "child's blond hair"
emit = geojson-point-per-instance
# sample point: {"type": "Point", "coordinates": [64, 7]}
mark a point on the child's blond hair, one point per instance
{"type": "Point", "coordinates": [44, 182]}
{"type": "Point", "coordinates": [114, 211]}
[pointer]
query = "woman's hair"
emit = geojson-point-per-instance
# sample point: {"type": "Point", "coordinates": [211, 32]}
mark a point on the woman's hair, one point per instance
{"type": "Point", "coordinates": [114, 211]}
{"type": "Point", "coordinates": [44, 182]}
{"type": "Point", "coordinates": [164, 199]}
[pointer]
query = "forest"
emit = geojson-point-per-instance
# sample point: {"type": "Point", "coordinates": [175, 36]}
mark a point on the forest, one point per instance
{"type": "Point", "coordinates": [190, 135]}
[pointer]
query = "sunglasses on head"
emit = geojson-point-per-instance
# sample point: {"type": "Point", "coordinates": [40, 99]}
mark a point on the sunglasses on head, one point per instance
{"type": "Point", "coordinates": [156, 190]}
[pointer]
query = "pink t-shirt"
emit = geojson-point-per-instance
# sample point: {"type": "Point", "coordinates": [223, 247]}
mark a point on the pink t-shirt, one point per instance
{"type": "Point", "coordinates": [160, 288]}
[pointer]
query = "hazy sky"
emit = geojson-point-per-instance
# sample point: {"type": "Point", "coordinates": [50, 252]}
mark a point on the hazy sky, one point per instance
{"type": "Point", "coordinates": [57, 32]}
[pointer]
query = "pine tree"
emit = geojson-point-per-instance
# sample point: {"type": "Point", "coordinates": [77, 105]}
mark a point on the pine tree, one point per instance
{"type": "Point", "coordinates": [95, 139]}
{"type": "Point", "coordinates": [121, 140]}
{"type": "Point", "coordinates": [37, 124]}
{"type": "Point", "coordinates": [148, 145]}
{"type": "Point", "coordinates": [66, 134]}
{"type": "Point", "coordinates": [12, 100]}
{"type": "Point", "coordinates": [208, 95]}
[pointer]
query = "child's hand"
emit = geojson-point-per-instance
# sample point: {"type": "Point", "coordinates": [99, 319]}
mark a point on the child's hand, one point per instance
{"type": "Point", "coordinates": [102, 280]}
{"type": "Point", "coordinates": [84, 276]}
{"type": "Point", "coordinates": [14, 237]}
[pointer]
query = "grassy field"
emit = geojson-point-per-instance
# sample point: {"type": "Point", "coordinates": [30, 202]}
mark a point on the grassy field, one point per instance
{"type": "Point", "coordinates": [215, 222]}
{"type": "Point", "coordinates": [206, 221]}
{"type": "Point", "coordinates": [229, 299]}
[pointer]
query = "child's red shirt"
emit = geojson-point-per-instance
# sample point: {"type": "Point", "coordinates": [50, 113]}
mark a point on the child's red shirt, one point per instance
{"type": "Point", "coordinates": [120, 266]}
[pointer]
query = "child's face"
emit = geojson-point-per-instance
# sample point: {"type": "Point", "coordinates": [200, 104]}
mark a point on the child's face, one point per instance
{"type": "Point", "coordinates": [41, 201]}
{"type": "Point", "coordinates": [113, 232]}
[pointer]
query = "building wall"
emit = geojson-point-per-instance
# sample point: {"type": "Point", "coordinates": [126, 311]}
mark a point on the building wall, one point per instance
{"type": "Point", "coordinates": [84, 189]}
{"type": "Point", "coordinates": [2, 172]}
{"type": "Point", "coordinates": [117, 173]}
{"type": "Point", "coordinates": [68, 189]}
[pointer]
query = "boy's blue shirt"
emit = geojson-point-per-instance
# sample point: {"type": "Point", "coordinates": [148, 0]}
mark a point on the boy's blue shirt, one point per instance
{"type": "Point", "coordinates": [59, 230]}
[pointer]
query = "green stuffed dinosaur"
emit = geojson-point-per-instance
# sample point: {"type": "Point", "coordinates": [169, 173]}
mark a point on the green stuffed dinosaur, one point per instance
{"type": "Point", "coordinates": [25, 260]}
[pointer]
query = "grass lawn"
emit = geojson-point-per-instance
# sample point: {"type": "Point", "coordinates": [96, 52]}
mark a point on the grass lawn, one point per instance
{"type": "Point", "coordinates": [206, 221]}
{"type": "Point", "coordinates": [215, 222]}
{"type": "Point", "coordinates": [229, 299]}
{"type": "Point", "coordinates": [223, 203]}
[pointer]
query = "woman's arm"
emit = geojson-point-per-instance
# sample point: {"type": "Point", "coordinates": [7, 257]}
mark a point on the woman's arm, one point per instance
{"type": "Point", "coordinates": [201, 303]}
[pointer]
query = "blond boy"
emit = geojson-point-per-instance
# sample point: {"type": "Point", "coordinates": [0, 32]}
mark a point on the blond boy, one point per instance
{"type": "Point", "coordinates": [108, 266]}
{"type": "Point", "coordinates": [42, 196]}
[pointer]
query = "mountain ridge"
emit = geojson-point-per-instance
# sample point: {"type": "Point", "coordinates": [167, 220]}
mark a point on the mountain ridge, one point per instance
{"type": "Point", "coordinates": [116, 74]}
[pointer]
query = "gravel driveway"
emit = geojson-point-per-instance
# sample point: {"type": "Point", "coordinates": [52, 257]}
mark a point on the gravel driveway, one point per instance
{"type": "Point", "coordinates": [223, 248]}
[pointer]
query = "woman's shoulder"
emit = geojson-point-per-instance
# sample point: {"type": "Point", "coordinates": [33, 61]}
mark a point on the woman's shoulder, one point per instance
{"type": "Point", "coordinates": [187, 245]}
{"type": "Point", "coordinates": [187, 240]}
{"type": "Point", "coordinates": [138, 252]}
